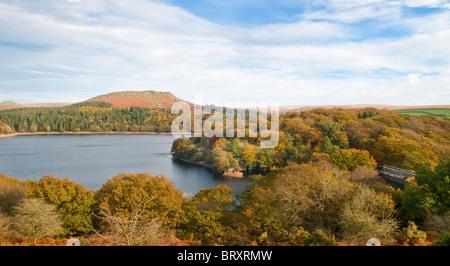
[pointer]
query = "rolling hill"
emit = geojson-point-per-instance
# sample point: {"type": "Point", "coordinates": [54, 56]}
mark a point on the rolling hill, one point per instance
{"type": "Point", "coordinates": [159, 99]}
{"type": "Point", "coordinates": [297, 108]}
{"type": "Point", "coordinates": [13, 105]}
{"type": "Point", "coordinates": [127, 99]}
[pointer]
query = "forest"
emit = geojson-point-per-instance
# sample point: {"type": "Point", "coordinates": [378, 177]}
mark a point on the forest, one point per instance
{"type": "Point", "coordinates": [319, 187]}
{"type": "Point", "coordinates": [87, 117]}
{"type": "Point", "coordinates": [346, 138]}
{"type": "Point", "coordinates": [308, 204]}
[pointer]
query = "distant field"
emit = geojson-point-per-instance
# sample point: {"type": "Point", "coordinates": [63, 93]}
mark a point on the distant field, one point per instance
{"type": "Point", "coordinates": [441, 112]}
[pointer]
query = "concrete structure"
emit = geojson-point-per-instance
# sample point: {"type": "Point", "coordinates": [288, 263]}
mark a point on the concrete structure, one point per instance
{"type": "Point", "coordinates": [396, 175]}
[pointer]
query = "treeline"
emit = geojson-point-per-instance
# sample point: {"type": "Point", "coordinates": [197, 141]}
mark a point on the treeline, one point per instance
{"type": "Point", "coordinates": [307, 204]}
{"type": "Point", "coordinates": [87, 117]}
{"type": "Point", "coordinates": [345, 138]}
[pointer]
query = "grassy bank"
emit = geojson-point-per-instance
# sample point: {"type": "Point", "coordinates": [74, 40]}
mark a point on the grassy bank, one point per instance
{"type": "Point", "coordinates": [440, 112]}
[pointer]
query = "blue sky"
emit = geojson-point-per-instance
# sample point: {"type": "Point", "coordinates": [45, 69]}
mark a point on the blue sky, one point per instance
{"type": "Point", "coordinates": [326, 52]}
{"type": "Point", "coordinates": [247, 14]}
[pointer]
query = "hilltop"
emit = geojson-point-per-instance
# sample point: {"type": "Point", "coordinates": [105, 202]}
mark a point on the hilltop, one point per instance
{"type": "Point", "coordinates": [127, 99]}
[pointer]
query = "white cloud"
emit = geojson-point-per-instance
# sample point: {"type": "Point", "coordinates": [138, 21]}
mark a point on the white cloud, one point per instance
{"type": "Point", "coordinates": [74, 52]}
{"type": "Point", "coordinates": [425, 3]}
{"type": "Point", "coordinates": [352, 14]}
{"type": "Point", "coordinates": [343, 4]}
{"type": "Point", "coordinates": [414, 78]}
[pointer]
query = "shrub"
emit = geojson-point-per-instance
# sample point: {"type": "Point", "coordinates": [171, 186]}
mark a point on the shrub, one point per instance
{"type": "Point", "coordinates": [318, 238]}
{"type": "Point", "coordinates": [443, 239]}
{"type": "Point", "coordinates": [411, 235]}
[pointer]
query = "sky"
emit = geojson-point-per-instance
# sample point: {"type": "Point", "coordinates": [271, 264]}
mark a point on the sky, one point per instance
{"type": "Point", "coordinates": [323, 52]}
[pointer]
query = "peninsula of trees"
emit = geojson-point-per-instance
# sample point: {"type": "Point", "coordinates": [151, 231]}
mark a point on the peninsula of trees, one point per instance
{"type": "Point", "coordinates": [346, 138]}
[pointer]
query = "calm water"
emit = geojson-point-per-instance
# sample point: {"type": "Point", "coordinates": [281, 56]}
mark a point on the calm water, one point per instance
{"type": "Point", "coordinates": [91, 160]}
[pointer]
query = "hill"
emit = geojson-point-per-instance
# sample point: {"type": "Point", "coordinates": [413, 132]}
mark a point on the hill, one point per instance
{"type": "Point", "coordinates": [297, 108]}
{"type": "Point", "coordinates": [13, 105]}
{"type": "Point", "coordinates": [127, 99]}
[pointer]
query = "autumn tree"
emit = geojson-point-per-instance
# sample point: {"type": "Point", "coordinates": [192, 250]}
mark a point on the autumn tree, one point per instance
{"type": "Point", "coordinates": [132, 229]}
{"type": "Point", "coordinates": [121, 194]}
{"type": "Point", "coordinates": [350, 159]}
{"type": "Point", "coordinates": [5, 222]}
{"type": "Point", "coordinates": [249, 154]}
{"type": "Point", "coordinates": [266, 158]}
{"type": "Point", "coordinates": [36, 219]}
{"type": "Point", "coordinates": [12, 192]}
{"type": "Point", "coordinates": [311, 195]}
{"type": "Point", "coordinates": [359, 136]}
{"type": "Point", "coordinates": [222, 160]}
{"type": "Point", "coordinates": [72, 201]}
{"type": "Point", "coordinates": [207, 214]}
{"type": "Point", "coordinates": [368, 214]}
{"type": "Point", "coordinates": [5, 129]}
{"type": "Point", "coordinates": [395, 149]}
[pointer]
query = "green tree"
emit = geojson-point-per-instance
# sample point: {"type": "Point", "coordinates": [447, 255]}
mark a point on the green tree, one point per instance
{"type": "Point", "coordinates": [234, 147]}
{"type": "Point", "coordinates": [327, 146]}
{"type": "Point", "coordinates": [443, 239]}
{"type": "Point", "coordinates": [266, 158]}
{"type": "Point", "coordinates": [428, 195]}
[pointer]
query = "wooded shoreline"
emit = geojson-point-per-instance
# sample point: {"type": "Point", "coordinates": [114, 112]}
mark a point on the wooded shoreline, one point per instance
{"type": "Point", "coordinates": [238, 174]}
{"type": "Point", "coordinates": [84, 133]}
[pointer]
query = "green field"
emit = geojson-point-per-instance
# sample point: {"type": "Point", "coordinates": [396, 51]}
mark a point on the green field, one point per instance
{"type": "Point", "coordinates": [440, 112]}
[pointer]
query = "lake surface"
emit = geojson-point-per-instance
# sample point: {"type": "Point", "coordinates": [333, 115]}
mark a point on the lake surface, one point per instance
{"type": "Point", "coordinates": [91, 160]}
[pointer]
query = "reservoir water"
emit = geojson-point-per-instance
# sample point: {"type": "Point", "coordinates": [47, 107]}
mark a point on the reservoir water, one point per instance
{"type": "Point", "coordinates": [91, 160]}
